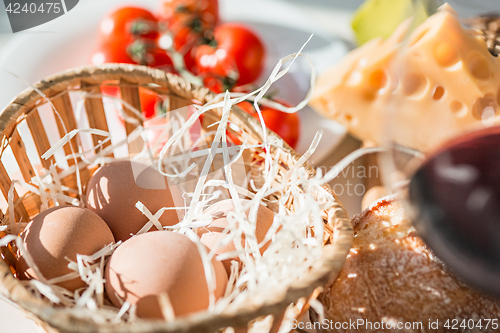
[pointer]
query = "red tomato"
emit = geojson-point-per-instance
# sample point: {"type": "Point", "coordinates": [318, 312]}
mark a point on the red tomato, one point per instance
{"type": "Point", "coordinates": [150, 101]}
{"type": "Point", "coordinates": [189, 61]}
{"type": "Point", "coordinates": [140, 51]}
{"type": "Point", "coordinates": [128, 23]}
{"type": "Point", "coordinates": [187, 32]}
{"type": "Point", "coordinates": [218, 70]}
{"type": "Point", "coordinates": [183, 36]}
{"type": "Point", "coordinates": [110, 90]}
{"type": "Point", "coordinates": [129, 35]}
{"type": "Point", "coordinates": [186, 36]}
{"type": "Point", "coordinates": [157, 58]}
{"type": "Point", "coordinates": [156, 134]}
{"type": "Point", "coordinates": [206, 10]}
{"type": "Point", "coordinates": [238, 58]}
{"type": "Point", "coordinates": [112, 53]}
{"type": "Point", "coordinates": [189, 23]}
{"type": "Point", "coordinates": [286, 125]}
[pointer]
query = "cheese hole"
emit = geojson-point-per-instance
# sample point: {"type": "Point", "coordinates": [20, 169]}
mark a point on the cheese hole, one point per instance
{"type": "Point", "coordinates": [351, 119]}
{"type": "Point", "coordinates": [378, 79]}
{"type": "Point", "coordinates": [445, 54]}
{"type": "Point", "coordinates": [326, 103]}
{"type": "Point", "coordinates": [414, 84]}
{"type": "Point", "coordinates": [415, 40]}
{"type": "Point", "coordinates": [479, 67]}
{"type": "Point", "coordinates": [438, 93]}
{"type": "Point", "coordinates": [487, 102]}
{"type": "Point", "coordinates": [369, 95]}
{"type": "Point", "coordinates": [458, 108]}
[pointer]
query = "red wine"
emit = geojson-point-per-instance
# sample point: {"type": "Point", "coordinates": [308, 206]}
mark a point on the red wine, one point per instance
{"type": "Point", "coordinates": [457, 195]}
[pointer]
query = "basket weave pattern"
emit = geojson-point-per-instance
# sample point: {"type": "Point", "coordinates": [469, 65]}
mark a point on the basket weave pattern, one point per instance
{"type": "Point", "coordinates": [338, 233]}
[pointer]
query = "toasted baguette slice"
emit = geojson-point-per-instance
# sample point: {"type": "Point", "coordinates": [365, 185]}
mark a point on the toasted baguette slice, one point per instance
{"type": "Point", "coordinates": [390, 275]}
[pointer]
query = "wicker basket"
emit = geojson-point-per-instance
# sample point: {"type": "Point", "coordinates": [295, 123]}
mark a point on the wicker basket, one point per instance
{"type": "Point", "coordinates": [338, 232]}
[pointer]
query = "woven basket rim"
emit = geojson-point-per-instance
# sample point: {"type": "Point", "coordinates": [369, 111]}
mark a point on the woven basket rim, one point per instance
{"type": "Point", "coordinates": [333, 255]}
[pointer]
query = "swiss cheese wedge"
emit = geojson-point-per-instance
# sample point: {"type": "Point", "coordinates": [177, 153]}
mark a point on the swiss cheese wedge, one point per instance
{"type": "Point", "coordinates": [417, 91]}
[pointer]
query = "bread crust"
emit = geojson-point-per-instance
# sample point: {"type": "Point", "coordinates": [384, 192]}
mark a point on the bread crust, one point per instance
{"type": "Point", "coordinates": [391, 275]}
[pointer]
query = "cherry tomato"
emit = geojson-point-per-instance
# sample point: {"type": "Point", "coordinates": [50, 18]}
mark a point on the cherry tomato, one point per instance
{"type": "Point", "coordinates": [112, 53]}
{"type": "Point", "coordinates": [189, 60]}
{"type": "Point", "coordinates": [158, 58]}
{"type": "Point", "coordinates": [156, 134]}
{"type": "Point", "coordinates": [188, 34]}
{"type": "Point", "coordinates": [286, 125]}
{"type": "Point", "coordinates": [150, 101]}
{"type": "Point", "coordinates": [128, 23]}
{"type": "Point", "coordinates": [183, 39]}
{"type": "Point", "coordinates": [110, 90]}
{"type": "Point", "coordinates": [237, 59]}
{"type": "Point", "coordinates": [206, 10]}
{"type": "Point", "coordinates": [142, 52]}
{"type": "Point", "coordinates": [188, 23]}
{"type": "Point", "coordinates": [218, 70]}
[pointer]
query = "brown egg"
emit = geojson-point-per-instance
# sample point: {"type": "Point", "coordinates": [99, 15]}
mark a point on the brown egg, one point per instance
{"type": "Point", "coordinates": [61, 232]}
{"type": "Point", "coordinates": [115, 188]}
{"type": "Point", "coordinates": [161, 262]}
{"type": "Point", "coordinates": [213, 233]}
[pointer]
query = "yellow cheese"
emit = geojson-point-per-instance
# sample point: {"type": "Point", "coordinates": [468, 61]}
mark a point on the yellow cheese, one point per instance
{"type": "Point", "coordinates": [417, 91]}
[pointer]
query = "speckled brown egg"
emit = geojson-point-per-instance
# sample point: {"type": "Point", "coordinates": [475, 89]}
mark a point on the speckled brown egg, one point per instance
{"type": "Point", "coordinates": [161, 262]}
{"type": "Point", "coordinates": [213, 233]}
{"type": "Point", "coordinates": [115, 188]}
{"type": "Point", "coordinates": [61, 232]}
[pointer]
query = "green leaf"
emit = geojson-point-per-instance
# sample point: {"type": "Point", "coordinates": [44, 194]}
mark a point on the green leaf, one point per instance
{"type": "Point", "coordinates": [379, 18]}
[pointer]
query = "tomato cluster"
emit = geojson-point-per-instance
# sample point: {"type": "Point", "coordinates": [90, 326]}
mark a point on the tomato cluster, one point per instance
{"type": "Point", "coordinates": [224, 56]}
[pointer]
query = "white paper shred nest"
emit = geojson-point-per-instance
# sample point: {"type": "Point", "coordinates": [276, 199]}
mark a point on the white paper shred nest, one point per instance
{"type": "Point", "coordinates": [294, 249]}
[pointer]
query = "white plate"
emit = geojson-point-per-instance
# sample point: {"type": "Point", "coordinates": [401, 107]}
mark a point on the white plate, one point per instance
{"type": "Point", "coordinates": [68, 41]}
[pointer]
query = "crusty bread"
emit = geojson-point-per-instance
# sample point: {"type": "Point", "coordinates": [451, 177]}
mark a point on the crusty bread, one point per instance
{"type": "Point", "coordinates": [390, 275]}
